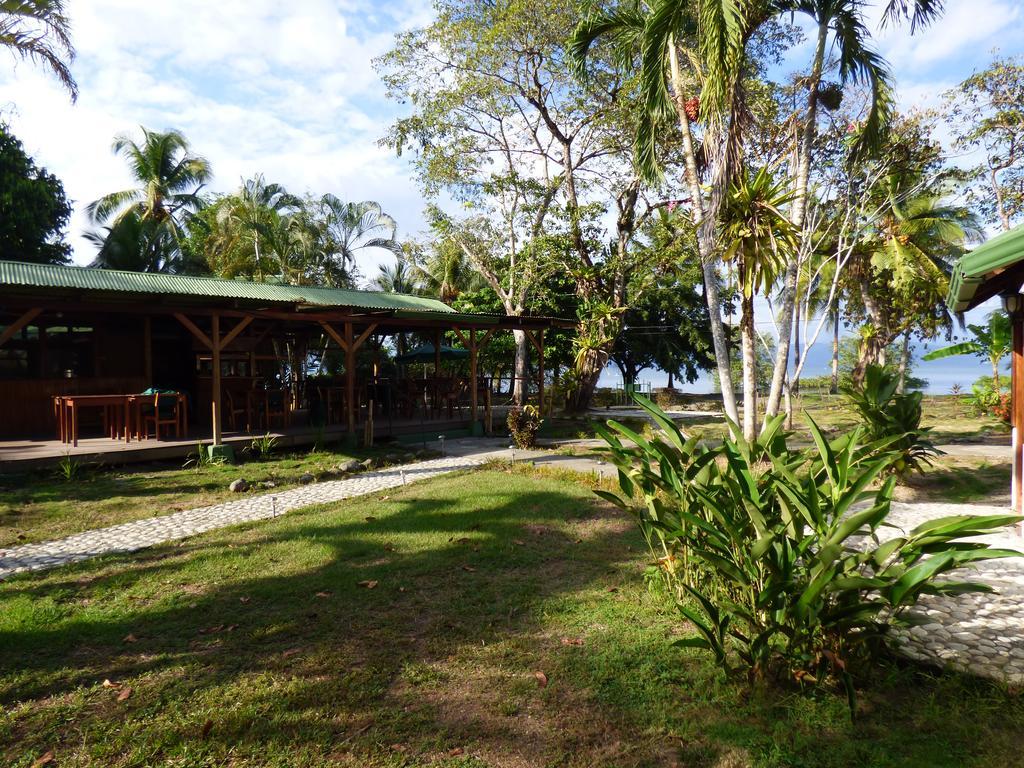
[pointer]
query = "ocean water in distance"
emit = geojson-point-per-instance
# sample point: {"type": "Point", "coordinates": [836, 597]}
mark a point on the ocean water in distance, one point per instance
{"type": "Point", "coordinates": [941, 375]}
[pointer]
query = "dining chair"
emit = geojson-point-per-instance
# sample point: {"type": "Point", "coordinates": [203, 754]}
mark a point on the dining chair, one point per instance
{"type": "Point", "coordinates": [163, 414]}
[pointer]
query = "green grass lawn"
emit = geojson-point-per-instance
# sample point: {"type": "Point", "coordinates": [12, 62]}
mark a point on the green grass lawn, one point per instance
{"type": "Point", "coordinates": [41, 504]}
{"type": "Point", "coordinates": [412, 629]}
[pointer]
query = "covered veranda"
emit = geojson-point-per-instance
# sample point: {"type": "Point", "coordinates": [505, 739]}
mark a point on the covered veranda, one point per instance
{"type": "Point", "coordinates": [91, 361]}
{"type": "Point", "coordinates": [996, 269]}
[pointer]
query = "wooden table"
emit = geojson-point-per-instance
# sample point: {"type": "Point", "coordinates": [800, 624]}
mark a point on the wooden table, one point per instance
{"type": "Point", "coordinates": [137, 401]}
{"type": "Point", "coordinates": [116, 415]}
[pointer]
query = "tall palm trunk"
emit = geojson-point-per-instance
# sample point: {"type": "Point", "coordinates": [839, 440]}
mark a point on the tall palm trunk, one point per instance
{"type": "Point", "coordinates": [748, 342]}
{"type": "Point", "coordinates": [834, 387]}
{"type": "Point", "coordinates": [705, 242]}
{"type": "Point", "coordinates": [797, 216]}
{"type": "Point", "coordinates": [901, 384]}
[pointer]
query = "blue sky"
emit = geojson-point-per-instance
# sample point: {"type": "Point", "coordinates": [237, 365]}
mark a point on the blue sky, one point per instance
{"type": "Point", "coordinates": [288, 89]}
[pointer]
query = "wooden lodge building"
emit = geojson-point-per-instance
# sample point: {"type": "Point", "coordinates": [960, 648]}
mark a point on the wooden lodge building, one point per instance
{"type": "Point", "coordinates": [76, 335]}
{"type": "Point", "coordinates": [996, 268]}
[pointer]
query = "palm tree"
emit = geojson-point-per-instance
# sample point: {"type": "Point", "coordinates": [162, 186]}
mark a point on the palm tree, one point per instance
{"type": "Point", "coordinates": [352, 227]}
{"type": "Point", "coordinates": [242, 226]}
{"type": "Point", "coordinates": [39, 31]}
{"type": "Point", "coordinates": [398, 277]}
{"type": "Point", "coordinates": [761, 240]}
{"type": "Point", "coordinates": [717, 32]}
{"type": "Point", "coordinates": [917, 238]}
{"type": "Point", "coordinates": [135, 245]}
{"type": "Point", "coordinates": [169, 178]}
{"type": "Point", "coordinates": [446, 272]}
{"type": "Point", "coordinates": [993, 343]}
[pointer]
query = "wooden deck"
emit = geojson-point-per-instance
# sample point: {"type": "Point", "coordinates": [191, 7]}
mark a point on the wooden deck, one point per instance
{"type": "Point", "coordinates": [21, 454]}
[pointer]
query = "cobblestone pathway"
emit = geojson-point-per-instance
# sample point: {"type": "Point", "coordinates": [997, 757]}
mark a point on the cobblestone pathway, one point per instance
{"type": "Point", "coordinates": [157, 530]}
{"type": "Point", "coordinates": [979, 633]}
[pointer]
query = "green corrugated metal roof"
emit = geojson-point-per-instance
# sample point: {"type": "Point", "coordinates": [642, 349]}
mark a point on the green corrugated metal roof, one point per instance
{"type": "Point", "coordinates": [977, 266]}
{"type": "Point", "coordinates": [13, 273]}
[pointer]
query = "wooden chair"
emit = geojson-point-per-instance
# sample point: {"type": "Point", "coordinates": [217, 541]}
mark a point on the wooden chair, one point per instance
{"type": "Point", "coordinates": [450, 394]}
{"type": "Point", "coordinates": [166, 414]}
{"type": "Point", "coordinates": [235, 410]}
{"type": "Point", "coordinates": [277, 408]}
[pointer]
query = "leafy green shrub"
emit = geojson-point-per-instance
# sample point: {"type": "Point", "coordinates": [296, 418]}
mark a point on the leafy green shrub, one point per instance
{"type": "Point", "coordinates": [69, 469]}
{"type": "Point", "coordinates": [523, 424]}
{"type": "Point", "coordinates": [893, 417]}
{"type": "Point", "coordinates": [986, 400]}
{"type": "Point", "coordinates": [772, 554]}
{"type": "Point", "coordinates": [202, 457]}
{"type": "Point", "coordinates": [262, 446]}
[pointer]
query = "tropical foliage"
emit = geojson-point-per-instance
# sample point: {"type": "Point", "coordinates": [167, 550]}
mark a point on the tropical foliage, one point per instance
{"type": "Point", "coordinates": [779, 558]}
{"type": "Point", "coordinates": [156, 211]}
{"type": "Point", "coordinates": [39, 31]}
{"type": "Point", "coordinates": [33, 208]}
{"type": "Point", "coordinates": [893, 417]}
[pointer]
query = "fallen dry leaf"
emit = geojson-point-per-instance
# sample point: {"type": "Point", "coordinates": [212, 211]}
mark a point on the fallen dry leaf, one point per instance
{"type": "Point", "coordinates": [291, 652]}
{"type": "Point", "coordinates": [369, 583]}
{"type": "Point", "coordinates": [542, 679]}
{"type": "Point", "coordinates": [370, 518]}
{"type": "Point", "coordinates": [230, 627]}
{"type": "Point", "coordinates": [613, 589]}
{"type": "Point", "coordinates": [455, 752]}
{"type": "Point", "coordinates": [398, 747]}
{"type": "Point", "coordinates": [519, 542]}
{"type": "Point", "coordinates": [323, 594]}
{"type": "Point", "coordinates": [108, 684]}
{"type": "Point", "coordinates": [401, 589]}
{"type": "Point", "coordinates": [244, 600]}
{"type": "Point", "coordinates": [469, 568]}
{"type": "Point", "coordinates": [44, 759]}
{"type": "Point", "coordinates": [124, 694]}
{"type": "Point", "coordinates": [572, 641]}
{"type": "Point", "coordinates": [205, 730]}
{"type": "Point", "coordinates": [383, 498]}
{"type": "Point", "coordinates": [211, 630]}
{"type": "Point", "coordinates": [129, 638]}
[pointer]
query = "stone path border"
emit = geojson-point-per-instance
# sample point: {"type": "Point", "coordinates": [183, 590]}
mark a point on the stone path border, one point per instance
{"type": "Point", "coordinates": [140, 534]}
{"type": "Point", "coordinates": [981, 633]}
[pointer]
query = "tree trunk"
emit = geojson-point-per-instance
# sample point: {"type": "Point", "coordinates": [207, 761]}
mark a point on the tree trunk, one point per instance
{"type": "Point", "coordinates": [671, 382]}
{"type": "Point", "coordinates": [834, 388]}
{"type": "Point", "coordinates": [588, 370]}
{"type": "Point", "coordinates": [901, 385]}
{"type": "Point", "coordinates": [794, 383]}
{"type": "Point", "coordinates": [995, 376]}
{"type": "Point", "coordinates": [797, 215]}
{"type": "Point", "coordinates": [705, 242]}
{"type": "Point", "coordinates": [748, 343]}
{"type": "Point", "coordinates": [521, 370]}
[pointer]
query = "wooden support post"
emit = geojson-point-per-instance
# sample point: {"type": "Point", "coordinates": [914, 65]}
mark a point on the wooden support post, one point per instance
{"type": "Point", "coordinates": [473, 382]}
{"type": "Point", "coordinates": [540, 371]}
{"type": "Point", "coordinates": [1017, 410]}
{"type": "Point", "coordinates": [350, 380]}
{"type": "Point", "coordinates": [147, 350]}
{"type": "Point", "coordinates": [14, 328]}
{"type": "Point", "coordinates": [215, 409]}
{"type": "Point", "coordinates": [437, 354]}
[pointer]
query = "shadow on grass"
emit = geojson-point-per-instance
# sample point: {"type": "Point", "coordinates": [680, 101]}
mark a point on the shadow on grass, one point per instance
{"type": "Point", "coordinates": [266, 632]}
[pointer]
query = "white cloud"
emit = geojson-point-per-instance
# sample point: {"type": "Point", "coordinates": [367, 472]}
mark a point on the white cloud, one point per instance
{"type": "Point", "coordinates": [256, 86]}
{"type": "Point", "coordinates": [966, 30]}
